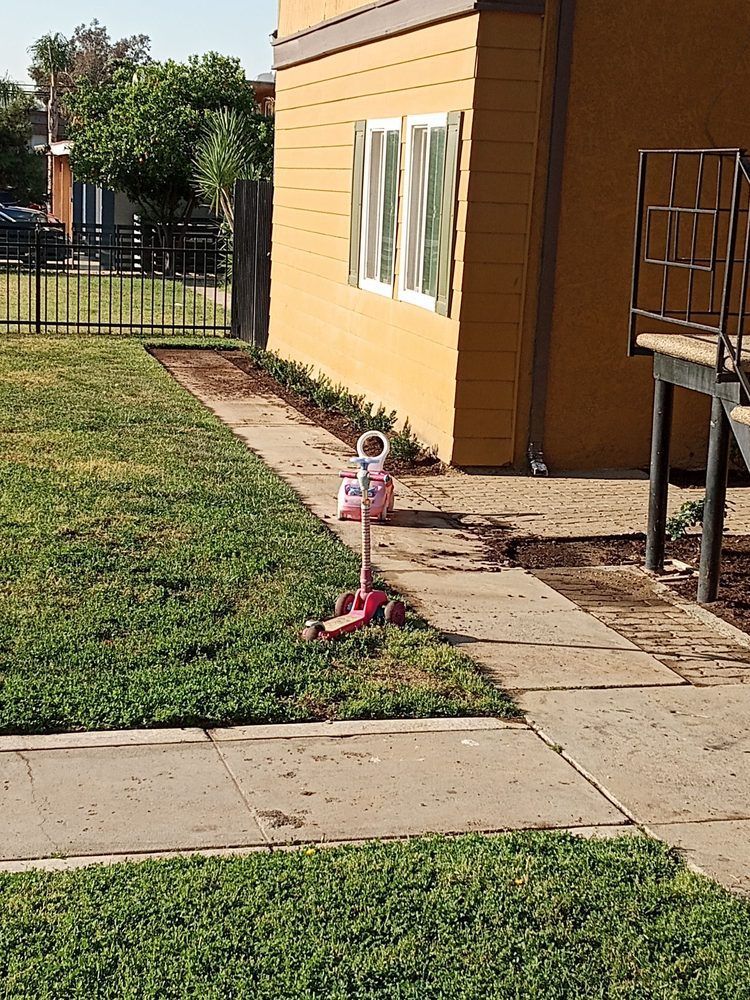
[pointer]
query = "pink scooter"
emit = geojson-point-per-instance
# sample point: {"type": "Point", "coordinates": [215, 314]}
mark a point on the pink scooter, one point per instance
{"type": "Point", "coordinates": [355, 611]}
{"type": "Point", "coordinates": [382, 491]}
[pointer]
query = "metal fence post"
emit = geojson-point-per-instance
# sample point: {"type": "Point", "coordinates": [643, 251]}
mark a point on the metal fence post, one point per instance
{"type": "Point", "coordinates": [38, 277]}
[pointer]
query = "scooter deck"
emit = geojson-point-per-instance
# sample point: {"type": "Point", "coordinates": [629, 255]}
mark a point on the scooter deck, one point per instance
{"type": "Point", "coordinates": [345, 623]}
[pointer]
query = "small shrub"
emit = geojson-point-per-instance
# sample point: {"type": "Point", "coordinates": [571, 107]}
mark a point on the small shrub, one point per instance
{"type": "Point", "coordinates": [404, 444]}
{"type": "Point", "coordinates": [324, 393]}
{"type": "Point", "coordinates": [690, 515]}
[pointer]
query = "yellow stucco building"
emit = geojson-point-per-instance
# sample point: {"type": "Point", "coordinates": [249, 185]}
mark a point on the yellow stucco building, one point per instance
{"type": "Point", "coordinates": [454, 207]}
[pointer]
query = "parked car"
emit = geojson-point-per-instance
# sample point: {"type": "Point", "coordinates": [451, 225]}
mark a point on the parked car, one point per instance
{"type": "Point", "coordinates": [18, 236]}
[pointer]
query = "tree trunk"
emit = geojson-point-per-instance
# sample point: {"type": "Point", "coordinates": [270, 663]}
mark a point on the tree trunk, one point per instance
{"type": "Point", "coordinates": [53, 128]}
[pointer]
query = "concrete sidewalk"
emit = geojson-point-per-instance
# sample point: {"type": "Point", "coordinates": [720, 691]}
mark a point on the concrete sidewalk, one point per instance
{"type": "Point", "coordinates": [646, 698]}
{"type": "Point", "coordinates": [81, 798]}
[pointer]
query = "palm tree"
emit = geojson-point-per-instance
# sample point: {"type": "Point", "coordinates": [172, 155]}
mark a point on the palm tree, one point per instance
{"type": "Point", "coordinates": [10, 92]}
{"type": "Point", "coordinates": [233, 147]}
{"type": "Point", "coordinates": [52, 57]}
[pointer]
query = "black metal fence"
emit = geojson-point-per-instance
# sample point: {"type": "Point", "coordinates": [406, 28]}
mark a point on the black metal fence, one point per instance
{"type": "Point", "coordinates": [691, 267]}
{"type": "Point", "coordinates": [126, 279]}
{"type": "Point", "coordinates": [251, 280]}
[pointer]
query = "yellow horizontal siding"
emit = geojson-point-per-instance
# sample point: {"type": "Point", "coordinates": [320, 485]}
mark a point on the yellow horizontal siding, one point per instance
{"type": "Point", "coordinates": [495, 187]}
{"type": "Point", "coordinates": [502, 30]}
{"type": "Point", "coordinates": [481, 277]}
{"type": "Point", "coordinates": [336, 203]}
{"type": "Point", "coordinates": [313, 221]}
{"type": "Point", "coordinates": [339, 67]}
{"type": "Point", "coordinates": [493, 247]}
{"type": "Point", "coordinates": [510, 219]}
{"type": "Point", "coordinates": [490, 307]}
{"type": "Point", "coordinates": [342, 305]}
{"type": "Point", "coordinates": [482, 450]}
{"type": "Point", "coordinates": [296, 15]}
{"type": "Point", "coordinates": [302, 178]}
{"type": "Point", "coordinates": [478, 366]}
{"type": "Point", "coordinates": [454, 378]}
{"type": "Point", "coordinates": [513, 64]}
{"type": "Point", "coordinates": [312, 243]}
{"type": "Point", "coordinates": [426, 99]}
{"type": "Point", "coordinates": [412, 73]}
{"type": "Point", "coordinates": [394, 353]}
{"type": "Point", "coordinates": [316, 265]}
{"type": "Point", "coordinates": [313, 136]}
{"type": "Point", "coordinates": [485, 335]}
{"type": "Point", "coordinates": [486, 394]}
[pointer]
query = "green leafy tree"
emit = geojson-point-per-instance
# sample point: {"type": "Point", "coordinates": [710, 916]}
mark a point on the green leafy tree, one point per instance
{"type": "Point", "coordinates": [59, 64]}
{"type": "Point", "coordinates": [137, 133]}
{"type": "Point", "coordinates": [21, 171]}
{"type": "Point", "coordinates": [89, 54]}
{"type": "Point", "coordinates": [96, 57]}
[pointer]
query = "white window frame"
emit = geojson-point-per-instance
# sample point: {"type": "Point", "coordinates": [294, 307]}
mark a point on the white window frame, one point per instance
{"type": "Point", "coordinates": [416, 121]}
{"type": "Point", "coordinates": [384, 125]}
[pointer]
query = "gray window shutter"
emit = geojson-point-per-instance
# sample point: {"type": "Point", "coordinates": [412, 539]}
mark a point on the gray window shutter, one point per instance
{"type": "Point", "coordinates": [448, 218]}
{"type": "Point", "coordinates": [358, 181]}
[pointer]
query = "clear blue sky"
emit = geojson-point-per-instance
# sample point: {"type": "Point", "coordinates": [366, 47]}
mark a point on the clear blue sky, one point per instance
{"type": "Point", "coordinates": [178, 28]}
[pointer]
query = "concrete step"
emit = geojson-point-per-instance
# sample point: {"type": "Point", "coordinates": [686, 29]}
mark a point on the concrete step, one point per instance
{"type": "Point", "coordinates": [739, 419]}
{"type": "Point", "coordinates": [697, 348]}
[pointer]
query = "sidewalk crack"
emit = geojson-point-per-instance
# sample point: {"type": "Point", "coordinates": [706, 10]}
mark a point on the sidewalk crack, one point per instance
{"type": "Point", "coordinates": [237, 784]}
{"type": "Point", "coordinates": [40, 805]}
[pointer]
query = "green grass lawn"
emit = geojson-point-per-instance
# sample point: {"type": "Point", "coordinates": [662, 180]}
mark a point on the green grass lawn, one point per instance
{"type": "Point", "coordinates": [519, 917]}
{"type": "Point", "coordinates": [70, 298]}
{"type": "Point", "coordinates": [154, 572]}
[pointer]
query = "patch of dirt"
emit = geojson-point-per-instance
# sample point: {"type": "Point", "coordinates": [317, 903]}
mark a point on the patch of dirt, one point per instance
{"type": "Point", "coordinates": [544, 553]}
{"type": "Point", "coordinates": [278, 819]}
{"type": "Point", "coordinates": [265, 385]}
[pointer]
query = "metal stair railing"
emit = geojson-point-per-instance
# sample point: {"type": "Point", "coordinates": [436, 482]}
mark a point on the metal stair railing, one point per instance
{"type": "Point", "coordinates": [692, 250]}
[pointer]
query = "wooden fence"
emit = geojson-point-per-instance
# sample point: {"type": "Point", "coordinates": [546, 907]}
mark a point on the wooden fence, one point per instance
{"type": "Point", "coordinates": [251, 279]}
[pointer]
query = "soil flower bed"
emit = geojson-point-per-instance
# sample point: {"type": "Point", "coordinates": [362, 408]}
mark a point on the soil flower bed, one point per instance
{"type": "Point", "coordinates": [543, 553]}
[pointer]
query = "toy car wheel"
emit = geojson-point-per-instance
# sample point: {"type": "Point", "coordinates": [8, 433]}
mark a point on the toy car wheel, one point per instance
{"type": "Point", "coordinates": [313, 632]}
{"type": "Point", "coordinates": [395, 614]}
{"type": "Point", "coordinates": [344, 604]}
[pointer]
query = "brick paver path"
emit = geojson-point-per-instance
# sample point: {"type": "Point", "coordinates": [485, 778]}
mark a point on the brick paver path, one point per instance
{"type": "Point", "coordinates": [568, 506]}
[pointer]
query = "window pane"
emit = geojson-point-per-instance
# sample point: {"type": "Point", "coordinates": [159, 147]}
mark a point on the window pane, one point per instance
{"type": "Point", "coordinates": [374, 202]}
{"type": "Point", "coordinates": [433, 211]}
{"type": "Point", "coordinates": [414, 247]}
{"type": "Point", "coordinates": [390, 204]}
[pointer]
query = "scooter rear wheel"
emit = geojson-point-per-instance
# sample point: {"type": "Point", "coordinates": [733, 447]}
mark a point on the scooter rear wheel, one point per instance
{"type": "Point", "coordinates": [313, 632]}
{"type": "Point", "coordinates": [344, 604]}
{"type": "Point", "coordinates": [395, 614]}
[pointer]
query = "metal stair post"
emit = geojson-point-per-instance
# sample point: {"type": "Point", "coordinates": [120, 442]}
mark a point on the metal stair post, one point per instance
{"type": "Point", "coordinates": [659, 489]}
{"type": "Point", "coordinates": [717, 470]}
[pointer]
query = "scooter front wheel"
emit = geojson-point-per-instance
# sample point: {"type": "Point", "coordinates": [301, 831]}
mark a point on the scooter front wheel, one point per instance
{"type": "Point", "coordinates": [344, 604]}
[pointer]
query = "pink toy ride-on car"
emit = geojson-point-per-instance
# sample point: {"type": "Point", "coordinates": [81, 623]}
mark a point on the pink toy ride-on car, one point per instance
{"type": "Point", "coordinates": [382, 492]}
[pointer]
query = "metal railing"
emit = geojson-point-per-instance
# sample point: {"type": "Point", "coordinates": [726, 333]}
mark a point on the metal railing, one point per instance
{"type": "Point", "coordinates": [124, 279]}
{"type": "Point", "coordinates": [692, 249]}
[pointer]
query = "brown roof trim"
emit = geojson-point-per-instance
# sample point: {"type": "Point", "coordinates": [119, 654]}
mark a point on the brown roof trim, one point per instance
{"type": "Point", "coordinates": [382, 19]}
